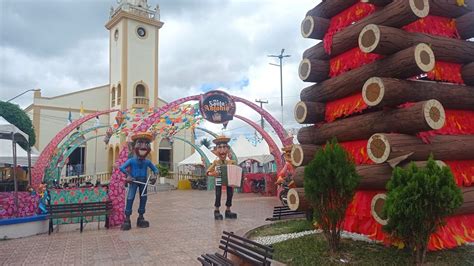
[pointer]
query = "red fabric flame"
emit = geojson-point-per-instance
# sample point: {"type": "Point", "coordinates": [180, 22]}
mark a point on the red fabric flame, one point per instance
{"type": "Point", "coordinates": [344, 107]}
{"type": "Point", "coordinates": [344, 19]}
{"type": "Point", "coordinates": [350, 59]}
{"type": "Point", "coordinates": [358, 150]}
{"type": "Point", "coordinates": [434, 25]}
{"type": "Point", "coordinates": [445, 71]}
{"type": "Point", "coordinates": [458, 122]}
{"type": "Point", "coordinates": [463, 172]}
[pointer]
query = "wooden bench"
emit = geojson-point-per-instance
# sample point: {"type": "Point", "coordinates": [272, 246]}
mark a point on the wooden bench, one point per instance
{"type": "Point", "coordinates": [282, 212]}
{"type": "Point", "coordinates": [247, 250]}
{"type": "Point", "coordinates": [82, 210]}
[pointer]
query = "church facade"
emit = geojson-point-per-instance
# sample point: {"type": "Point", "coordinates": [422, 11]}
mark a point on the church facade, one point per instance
{"type": "Point", "coordinates": [133, 83]}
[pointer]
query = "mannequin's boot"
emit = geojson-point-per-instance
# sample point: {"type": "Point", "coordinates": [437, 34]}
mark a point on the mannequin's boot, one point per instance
{"type": "Point", "coordinates": [127, 225]}
{"type": "Point", "coordinates": [218, 215]}
{"type": "Point", "coordinates": [141, 222]}
{"type": "Point", "coordinates": [230, 215]}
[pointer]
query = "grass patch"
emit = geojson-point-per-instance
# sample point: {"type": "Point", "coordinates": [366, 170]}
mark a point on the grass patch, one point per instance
{"type": "Point", "coordinates": [278, 228]}
{"type": "Point", "coordinates": [313, 250]}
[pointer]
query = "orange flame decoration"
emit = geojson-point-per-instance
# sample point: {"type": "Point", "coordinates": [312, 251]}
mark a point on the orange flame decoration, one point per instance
{"type": "Point", "coordinates": [351, 59]}
{"type": "Point", "coordinates": [344, 107]}
{"type": "Point", "coordinates": [344, 19]}
{"type": "Point", "coordinates": [458, 122]}
{"type": "Point", "coordinates": [463, 172]}
{"type": "Point", "coordinates": [357, 149]}
{"type": "Point", "coordinates": [458, 229]}
{"type": "Point", "coordinates": [448, 72]}
{"type": "Point", "coordinates": [434, 25]}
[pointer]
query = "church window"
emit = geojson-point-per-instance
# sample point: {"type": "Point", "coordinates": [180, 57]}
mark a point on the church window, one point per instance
{"type": "Point", "coordinates": [119, 94]}
{"type": "Point", "coordinates": [140, 91]}
{"type": "Point", "coordinates": [113, 96]}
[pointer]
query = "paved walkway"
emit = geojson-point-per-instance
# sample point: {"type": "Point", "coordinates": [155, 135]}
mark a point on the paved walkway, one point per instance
{"type": "Point", "coordinates": [182, 227]}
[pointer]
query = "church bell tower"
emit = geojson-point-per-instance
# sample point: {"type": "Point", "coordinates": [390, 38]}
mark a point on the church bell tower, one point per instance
{"type": "Point", "coordinates": [133, 44]}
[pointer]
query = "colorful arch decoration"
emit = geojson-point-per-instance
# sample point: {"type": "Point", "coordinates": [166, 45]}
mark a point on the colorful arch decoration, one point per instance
{"type": "Point", "coordinates": [273, 147]}
{"type": "Point", "coordinates": [62, 162]}
{"type": "Point", "coordinates": [43, 160]}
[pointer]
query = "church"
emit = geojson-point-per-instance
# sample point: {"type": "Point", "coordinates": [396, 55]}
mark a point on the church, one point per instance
{"type": "Point", "coordinates": [134, 28]}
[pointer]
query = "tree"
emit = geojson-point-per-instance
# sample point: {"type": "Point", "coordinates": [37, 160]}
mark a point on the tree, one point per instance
{"type": "Point", "coordinates": [418, 200]}
{"type": "Point", "coordinates": [17, 117]}
{"type": "Point", "coordinates": [330, 180]}
{"type": "Point", "coordinates": [206, 142]}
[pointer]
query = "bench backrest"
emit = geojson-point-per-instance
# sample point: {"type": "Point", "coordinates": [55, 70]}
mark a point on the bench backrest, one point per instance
{"type": "Point", "coordinates": [105, 206]}
{"type": "Point", "coordinates": [246, 249]}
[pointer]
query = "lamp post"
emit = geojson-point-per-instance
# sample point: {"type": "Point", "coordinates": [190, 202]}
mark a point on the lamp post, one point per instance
{"type": "Point", "coordinates": [22, 94]}
{"type": "Point", "coordinates": [280, 56]}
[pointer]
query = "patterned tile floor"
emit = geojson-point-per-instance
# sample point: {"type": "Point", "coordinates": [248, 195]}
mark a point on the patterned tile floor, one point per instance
{"type": "Point", "coordinates": [182, 227]}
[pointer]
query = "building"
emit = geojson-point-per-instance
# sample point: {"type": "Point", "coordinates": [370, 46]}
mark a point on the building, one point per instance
{"type": "Point", "coordinates": [133, 83]}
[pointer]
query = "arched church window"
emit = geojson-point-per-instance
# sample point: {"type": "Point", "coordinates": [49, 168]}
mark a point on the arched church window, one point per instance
{"type": "Point", "coordinates": [113, 96]}
{"type": "Point", "coordinates": [119, 94]}
{"type": "Point", "coordinates": [140, 91]}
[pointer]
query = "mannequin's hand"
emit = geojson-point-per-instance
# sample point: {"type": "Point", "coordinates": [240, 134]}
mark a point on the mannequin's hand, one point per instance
{"type": "Point", "coordinates": [129, 179]}
{"type": "Point", "coordinates": [153, 179]}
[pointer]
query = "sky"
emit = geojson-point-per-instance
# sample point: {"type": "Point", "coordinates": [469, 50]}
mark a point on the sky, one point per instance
{"type": "Point", "coordinates": [61, 46]}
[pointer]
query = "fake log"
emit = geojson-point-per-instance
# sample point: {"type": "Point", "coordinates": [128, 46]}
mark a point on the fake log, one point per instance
{"type": "Point", "coordinates": [387, 40]}
{"type": "Point", "coordinates": [378, 201]}
{"type": "Point", "coordinates": [422, 116]}
{"type": "Point", "coordinates": [396, 147]}
{"type": "Point", "coordinates": [377, 2]}
{"type": "Point", "coordinates": [376, 176]}
{"type": "Point", "coordinates": [467, 74]}
{"type": "Point", "coordinates": [303, 154]}
{"type": "Point", "coordinates": [465, 25]}
{"type": "Point", "coordinates": [330, 8]}
{"type": "Point", "coordinates": [313, 70]}
{"type": "Point", "coordinates": [407, 63]}
{"type": "Point", "coordinates": [309, 112]}
{"type": "Point", "coordinates": [450, 8]}
{"type": "Point", "coordinates": [316, 52]}
{"type": "Point", "coordinates": [296, 200]}
{"type": "Point", "coordinates": [373, 176]}
{"type": "Point", "coordinates": [298, 178]}
{"type": "Point", "coordinates": [314, 27]}
{"type": "Point", "coordinates": [396, 14]}
{"type": "Point", "coordinates": [442, 8]}
{"type": "Point", "coordinates": [392, 92]}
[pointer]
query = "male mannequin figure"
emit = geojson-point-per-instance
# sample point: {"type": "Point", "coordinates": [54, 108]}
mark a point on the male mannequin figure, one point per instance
{"type": "Point", "coordinates": [222, 151]}
{"type": "Point", "coordinates": [138, 172]}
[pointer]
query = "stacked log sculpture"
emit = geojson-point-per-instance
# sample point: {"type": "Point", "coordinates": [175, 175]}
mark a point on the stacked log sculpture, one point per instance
{"type": "Point", "coordinates": [409, 94]}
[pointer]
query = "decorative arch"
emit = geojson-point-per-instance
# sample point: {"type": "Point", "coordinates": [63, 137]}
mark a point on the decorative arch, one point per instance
{"type": "Point", "coordinates": [271, 143]}
{"type": "Point", "coordinates": [66, 155]}
{"type": "Point", "coordinates": [45, 156]}
{"type": "Point", "coordinates": [203, 155]}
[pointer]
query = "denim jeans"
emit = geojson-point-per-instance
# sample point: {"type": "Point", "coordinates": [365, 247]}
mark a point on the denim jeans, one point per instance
{"type": "Point", "coordinates": [132, 190]}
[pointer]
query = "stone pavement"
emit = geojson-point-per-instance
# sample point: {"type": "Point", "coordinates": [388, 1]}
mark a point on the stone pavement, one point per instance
{"type": "Point", "coordinates": [182, 227]}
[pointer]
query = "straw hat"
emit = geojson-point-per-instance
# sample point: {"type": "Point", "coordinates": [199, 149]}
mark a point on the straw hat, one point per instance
{"type": "Point", "coordinates": [221, 139]}
{"type": "Point", "coordinates": [142, 135]}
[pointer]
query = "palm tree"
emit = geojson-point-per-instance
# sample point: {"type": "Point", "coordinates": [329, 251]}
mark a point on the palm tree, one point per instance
{"type": "Point", "coordinates": [206, 142]}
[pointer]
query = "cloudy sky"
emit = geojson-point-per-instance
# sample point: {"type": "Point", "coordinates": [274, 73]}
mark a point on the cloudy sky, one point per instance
{"type": "Point", "coordinates": [61, 46]}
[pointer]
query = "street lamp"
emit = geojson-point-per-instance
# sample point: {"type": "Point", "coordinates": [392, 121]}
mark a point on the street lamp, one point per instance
{"type": "Point", "coordinates": [22, 94]}
{"type": "Point", "coordinates": [280, 56]}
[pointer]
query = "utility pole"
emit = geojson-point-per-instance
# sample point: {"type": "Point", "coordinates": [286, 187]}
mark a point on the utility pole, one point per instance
{"type": "Point", "coordinates": [261, 102]}
{"type": "Point", "coordinates": [280, 56]}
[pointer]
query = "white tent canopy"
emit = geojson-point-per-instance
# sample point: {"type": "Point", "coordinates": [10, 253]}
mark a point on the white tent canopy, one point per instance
{"type": "Point", "coordinates": [195, 158]}
{"type": "Point", "coordinates": [6, 146]}
{"type": "Point", "coordinates": [244, 150]}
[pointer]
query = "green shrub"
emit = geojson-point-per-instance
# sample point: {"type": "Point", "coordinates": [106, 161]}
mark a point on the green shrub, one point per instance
{"type": "Point", "coordinates": [164, 171]}
{"type": "Point", "coordinates": [418, 200]}
{"type": "Point", "coordinates": [17, 117]}
{"type": "Point", "coordinates": [330, 180]}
